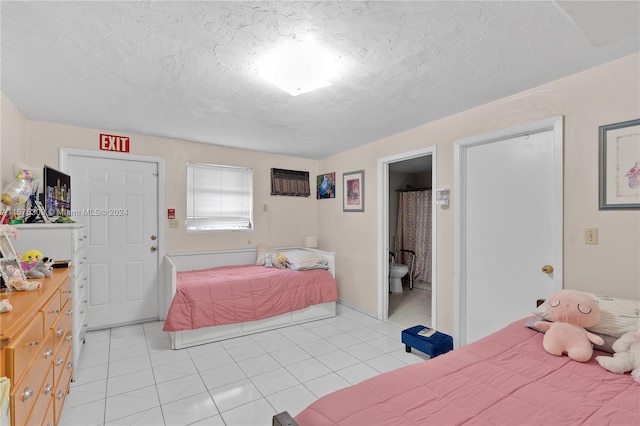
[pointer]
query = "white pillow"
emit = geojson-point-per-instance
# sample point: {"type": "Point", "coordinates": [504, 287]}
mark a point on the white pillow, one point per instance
{"type": "Point", "coordinates": [617, 316]}
{"type": "Point", "coordinates": [303, 259]}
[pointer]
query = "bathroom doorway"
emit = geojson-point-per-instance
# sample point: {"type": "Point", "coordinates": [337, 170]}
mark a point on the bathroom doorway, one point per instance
{"type": "Point", "coordinates": [408, 178]}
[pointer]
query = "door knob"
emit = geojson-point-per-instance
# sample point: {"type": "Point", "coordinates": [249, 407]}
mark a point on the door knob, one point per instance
{"type": "Point", "coordinates": [547, 269]}
{"type": "Point", "coordinates": [154, 249]}
{"type": "Point", "coordinates": [153, 238]}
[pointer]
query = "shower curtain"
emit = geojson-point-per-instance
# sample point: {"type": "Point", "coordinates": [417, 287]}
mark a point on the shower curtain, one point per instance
{"type": "Point", "coordinates": [413, 232]}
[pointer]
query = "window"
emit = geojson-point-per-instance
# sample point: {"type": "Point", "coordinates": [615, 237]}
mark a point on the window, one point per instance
{"type": "Point", "coordinates": [219, 197]}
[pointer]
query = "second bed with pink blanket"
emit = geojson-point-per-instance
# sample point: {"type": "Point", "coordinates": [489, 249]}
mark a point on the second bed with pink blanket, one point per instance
{"type": "Point", "coordinates": [506, 378]}
{"type": "Point", "coordinates": [241, 293]}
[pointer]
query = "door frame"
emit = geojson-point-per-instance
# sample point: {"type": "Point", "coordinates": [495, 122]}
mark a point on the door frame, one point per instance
{"type": "Point", "coordinates": [383, 230]}
{"type": "Point", "coordinates": [554, 124]}
{"type": "Point", "coordinates": [64, 158]}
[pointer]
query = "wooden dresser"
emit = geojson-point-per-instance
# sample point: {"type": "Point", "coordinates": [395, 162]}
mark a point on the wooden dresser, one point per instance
{"type": "Point", "coordinates": [36, 349]}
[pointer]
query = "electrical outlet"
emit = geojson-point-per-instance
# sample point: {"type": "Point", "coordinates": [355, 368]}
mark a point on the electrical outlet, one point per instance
{"type": "Point", "coordinates": [591, 236]}
{"type": "Point", "coordinates": [173, 223]}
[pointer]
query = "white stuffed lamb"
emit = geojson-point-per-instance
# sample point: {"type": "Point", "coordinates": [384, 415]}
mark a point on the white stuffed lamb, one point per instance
{"type": "Point", "coordinates": [626, 355]}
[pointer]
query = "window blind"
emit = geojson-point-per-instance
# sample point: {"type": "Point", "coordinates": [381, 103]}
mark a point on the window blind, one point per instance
{"type": "Point", "coordinates": [219, 197]}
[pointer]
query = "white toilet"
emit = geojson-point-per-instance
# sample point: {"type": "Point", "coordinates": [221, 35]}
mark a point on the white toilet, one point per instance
{"type": "Point", "coordinates": [396, 272]}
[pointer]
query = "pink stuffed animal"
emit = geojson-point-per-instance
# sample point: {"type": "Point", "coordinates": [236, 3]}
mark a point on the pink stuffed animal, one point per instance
{"type": "Point", "coordinates": [572, 311]}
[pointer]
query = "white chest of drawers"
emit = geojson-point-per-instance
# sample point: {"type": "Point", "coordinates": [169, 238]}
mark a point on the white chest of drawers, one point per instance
{"type": "Point", "coordinates": [63, 242]}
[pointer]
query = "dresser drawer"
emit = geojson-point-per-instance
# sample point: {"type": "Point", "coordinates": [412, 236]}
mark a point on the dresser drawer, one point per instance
{"type": "Point", "coordinates": [25, 347]}
{"type": "Point", "coordinates": [25, 395]}
{"type": "Point", "coordinates": [60, 364]}
{"type": "Point", "coordinates": [65, 292]}
{"type": "Point", "coordinates": [43, 403]}
{"type": "Point", "coordinates": [62, 335]}
{"type": "Point", "coordinates": [62, 388]}
{"type": "Point", "coordinates": [51, 311]}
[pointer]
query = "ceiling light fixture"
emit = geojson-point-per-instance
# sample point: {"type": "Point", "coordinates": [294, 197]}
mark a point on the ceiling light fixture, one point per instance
{"type": "Point", "coordinates": [300, 67]}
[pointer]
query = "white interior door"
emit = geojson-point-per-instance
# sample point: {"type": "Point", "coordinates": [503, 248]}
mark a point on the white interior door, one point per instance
{"type": "Point", "coordinates": [117, 200]}
{"type": "Point", "coordinates": [510, 217]}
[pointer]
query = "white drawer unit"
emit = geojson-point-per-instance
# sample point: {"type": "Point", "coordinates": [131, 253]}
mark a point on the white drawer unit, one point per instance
{"type": "Point", "coordinates": [63, 241]}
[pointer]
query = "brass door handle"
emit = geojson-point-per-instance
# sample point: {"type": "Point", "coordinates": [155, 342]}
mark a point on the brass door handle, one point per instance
{"type": "Point", "coordinates": [547, 269]}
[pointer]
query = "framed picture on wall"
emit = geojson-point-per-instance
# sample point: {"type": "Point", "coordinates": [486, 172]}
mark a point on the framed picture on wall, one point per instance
{"type": "Point", "coordinates": [620, 166]}
{"type": "Point", "coordinates": [353, 191]}
{"type": "Point", "coordinates": [326, 185]}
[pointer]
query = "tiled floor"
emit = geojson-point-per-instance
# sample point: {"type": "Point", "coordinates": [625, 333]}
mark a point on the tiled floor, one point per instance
{"type": "Point", "coordinates": [129, 376]}
{"type": "Point", "coordinates": [411, 307]}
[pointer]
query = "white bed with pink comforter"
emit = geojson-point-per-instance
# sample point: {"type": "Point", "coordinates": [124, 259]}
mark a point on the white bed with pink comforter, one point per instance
{"type": "Point", "coordinates": [220, 295]}
{"type": "Point", "coordinates": [506, 378]}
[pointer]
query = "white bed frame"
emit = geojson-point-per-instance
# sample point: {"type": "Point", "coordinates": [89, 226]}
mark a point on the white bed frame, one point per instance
{"type": "Point", "coordinates": [173, 263]}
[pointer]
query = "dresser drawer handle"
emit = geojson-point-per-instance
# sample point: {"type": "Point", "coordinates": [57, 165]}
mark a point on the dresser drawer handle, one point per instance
{"type": "Point", "coordinates": [48, 353]}
{"type": "Point", "coordinates": [59, 332]}
{"type": "Point", "coordinates": [36, 343]}
{"type": "Point", "coordinates": [59, 362]}
{"type": "Point", "coordinates": [48, 388]}
{"type": "Point", "coordinates": [69, 365]}
{"type": "Point", "coordinates": [59, 395]}
{"type": "Point", "coordinates": [69, 338]}
{"type": "Point", "coordinates": [66, 292]}
{"type": "Point", "coordinates": [55, 311]}
{"type": "Point", "coordinates": [70, 311]}
{"type": "Point", "coordinates": [82, 311]}
{"type": "Point", "coordinates": [28, 393]}
{"type": "Point", "coordinates": [82, 286]}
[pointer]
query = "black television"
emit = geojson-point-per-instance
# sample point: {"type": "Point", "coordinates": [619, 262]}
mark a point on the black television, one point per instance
{"type": "Point", "coordinates": [56, 187]}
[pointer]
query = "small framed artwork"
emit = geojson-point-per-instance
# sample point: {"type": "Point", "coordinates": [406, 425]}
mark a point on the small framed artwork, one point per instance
{"type": "Point", "coordinates": [620, 166]}
{"type": "Point", "coordinates": [326, 185]}
{"type": "Point", "coordinates": [11, 272]}
{"type": "Point", "coordinates": [353, 191]}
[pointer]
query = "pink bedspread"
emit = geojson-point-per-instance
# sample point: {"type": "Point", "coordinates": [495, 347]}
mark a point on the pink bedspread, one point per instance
{"type": "Point", "coordinates": [233, 294]}
{"type": "Point", "coordinates": [505, 379]}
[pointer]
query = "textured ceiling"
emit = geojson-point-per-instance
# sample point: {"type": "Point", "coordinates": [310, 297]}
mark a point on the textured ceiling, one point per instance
{"type": "Point", "coordinates": [188, 70]}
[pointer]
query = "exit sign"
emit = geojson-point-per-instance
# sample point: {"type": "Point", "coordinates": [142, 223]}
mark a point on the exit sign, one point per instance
{"type": "Point", "coordinates": [114, 143]}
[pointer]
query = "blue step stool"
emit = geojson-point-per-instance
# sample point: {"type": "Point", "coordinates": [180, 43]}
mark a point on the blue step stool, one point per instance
{"type": "Point", "coordinates": [433, 346]}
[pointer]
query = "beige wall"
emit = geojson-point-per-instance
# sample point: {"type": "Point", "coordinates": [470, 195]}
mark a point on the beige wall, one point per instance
{"type": "Point", "coordinates": [603, 95]}
{"type": "Point", "coordinates": [13, 146]}
{"type": "Point", "coordinates": [285, 222]}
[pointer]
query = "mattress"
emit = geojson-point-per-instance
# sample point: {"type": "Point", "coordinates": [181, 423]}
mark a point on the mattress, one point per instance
{"type": "Point", "coordinates": [504, 379]}
{"type": "Point", "coordinates": [240, 293]}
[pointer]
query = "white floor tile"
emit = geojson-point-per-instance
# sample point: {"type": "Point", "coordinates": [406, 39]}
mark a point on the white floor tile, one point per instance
{"type": "Point", "coordinates": [274, 381]}
{"type": "Point", "coordinates": [89, 392]}
{"type": "Point", "coordinates": [172, 371]}
{"type": "Point", "coordinates": [386, 363]}
{"type": "Point", "coordinates": [256, 413]}
{"type": "Point", "coordinates": [208, 361]}
{"type": "Point", "coordinates": [258, 365]}
{"type": "Point", "coordinates": [129, 365]}
{"type": "Point", "coordinates": [90, 374]}
{"type": "Point", "coordinates": [308, 369]}
{"type": "Point", "coordinates": [127, 404]}
{"type": "Point", "coordinates": [337, 360]}
{"type": "Point", "coordinates": [180, 388]}
{"type": "Point", "coordinates": [357, 373]}
{"type": "Point", "coordinates": [293, 399]}
{"type": "Point", "coordinates": [290, 355]}
{"type": "Point", "coordinates": [90, 413]}
{"type": "Point", "coordinates": [152, 417]}
{"type": "Point", "coordinates": [128, 382]}
{"type": "Point", "coordinates": [234, 395]}
{"type": "Point", "coordinates": [125, 374]}
{"type": "Point", "coordinates": [326, 384]}
{"type": "Point", "coordinates": [189, 410]}
{"type": "Point", "coordinates": [221, 376]}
